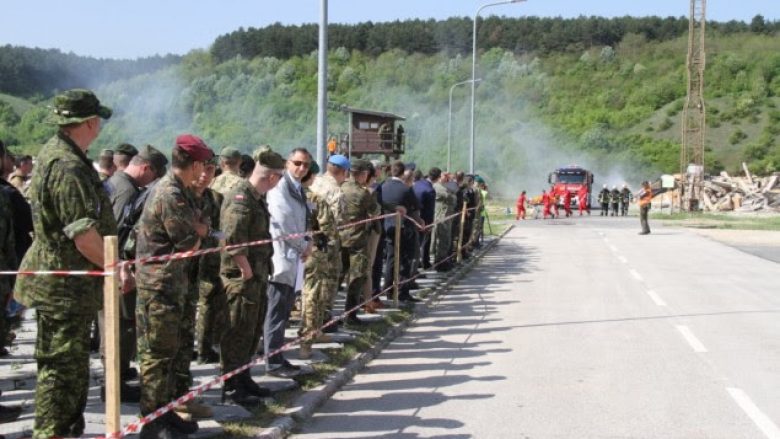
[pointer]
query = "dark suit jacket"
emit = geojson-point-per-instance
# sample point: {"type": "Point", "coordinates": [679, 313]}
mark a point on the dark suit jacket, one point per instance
{"type": "Point", "coordinates": [395, 193]}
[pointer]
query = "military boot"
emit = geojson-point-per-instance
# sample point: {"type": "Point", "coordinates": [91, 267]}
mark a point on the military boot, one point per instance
{"type": "Point", "coordinates": [252, 387]}
{"type": "Point", "coordinates": [239, 394]}
{"type": "Point", "coordinates": [179, 424]}
{"type": "Point", "coordinates": [160, 428]}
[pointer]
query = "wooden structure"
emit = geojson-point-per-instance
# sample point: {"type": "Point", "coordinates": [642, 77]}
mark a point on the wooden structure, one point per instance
{"type": "Point", "coordinates": [373, 132]}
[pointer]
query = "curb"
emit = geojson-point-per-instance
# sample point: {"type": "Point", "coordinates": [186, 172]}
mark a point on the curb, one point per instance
{"type": "Point", "coordinates": [306, 405]}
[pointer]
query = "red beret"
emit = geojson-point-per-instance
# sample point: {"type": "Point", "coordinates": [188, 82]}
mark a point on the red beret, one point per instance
{"type": "Point", "coordinates": [195, 147]}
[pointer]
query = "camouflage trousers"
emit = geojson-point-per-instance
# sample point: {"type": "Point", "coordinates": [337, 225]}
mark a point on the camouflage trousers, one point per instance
{"type": "Point", "coordinates": [246, 306]}
{"type": "Point", "coordinates": [181, 365]}
{"type": "Point", "coordinates": [320, 285]}
{"type": "Point", "coordinates": [442, 241]}
{"type": "Point", "coordinates": [212, 314]}
{"type": "Point", "coordinates": [62, 354]}
{"type": "Point", "coordinates": [162, 328]}
{"type": "Point", "coordinates": [354, 262]}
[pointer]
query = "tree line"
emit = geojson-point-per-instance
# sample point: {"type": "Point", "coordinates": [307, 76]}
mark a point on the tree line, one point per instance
{"type": "Point", "coordinates": [30, 72]}
{"type": "Point", "coordinates": [453, 35]}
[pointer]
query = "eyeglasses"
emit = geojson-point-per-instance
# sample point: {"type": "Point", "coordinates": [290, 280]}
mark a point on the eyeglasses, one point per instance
{"type": "Point", "coordinates": [300, 163]}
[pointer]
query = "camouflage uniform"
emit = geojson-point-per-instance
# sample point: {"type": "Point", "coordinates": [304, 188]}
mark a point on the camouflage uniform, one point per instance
{"type": "Point", "coordinates": [354, 240]}
{"type": "Point", "coordinates": [323, 268]}
{"type": "Point", "coordinates": [7, 258]}
{"type": "Point", "coordinates": [225, 182]}
{"type": "Point", "coordinates": [212, 303]}
{"type": "Point", "coordinates": [166, 226]}
{"type": "Point", "coordinates": [67, 199]}
{"type": "Point", "coordinates": [319, 281]}
{"type": "Point", "coordinates": [244, 217]}
{"type": "Point", "coordinates": [442, 231]}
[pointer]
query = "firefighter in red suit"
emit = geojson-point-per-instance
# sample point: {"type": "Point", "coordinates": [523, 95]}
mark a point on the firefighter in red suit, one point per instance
{"type": "Point", "coordinates": [520, 206]}
{"type": "Point", "coordinates": [554, 202]}
{"type": "Point", "coordinates": [567, 203]}
{"type": "Point", "coordinates": [547, 202]}
{"type": "Point", "coordinates": [582, 196]}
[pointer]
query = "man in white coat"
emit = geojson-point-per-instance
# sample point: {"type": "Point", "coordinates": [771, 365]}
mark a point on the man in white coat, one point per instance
{"type": "Point", "coordinates": [289, 215]}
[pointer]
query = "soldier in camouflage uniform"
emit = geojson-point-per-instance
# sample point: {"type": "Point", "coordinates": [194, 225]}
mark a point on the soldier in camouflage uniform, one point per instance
{"type": "Point", "coordinates": [229, 162]}
{"type": "Point", "coordinates": [324, 270]}
{"type": "Point", "coordinates": [71, 214]}
{"type": "Point", "coordinates": [206, 209]}
{"type": "Point", "coordinates": [442, 231]}
{"type": "Point", "coordinates": [169, 224]}
{"type": "Point", "coordinates": [212, 303]}
{"type": "Point", "coordinates": [318, 281]}
{"type": "Point", "coordinates": [245, 270]}
{"type": "Point", "coordinates": [359, 204]}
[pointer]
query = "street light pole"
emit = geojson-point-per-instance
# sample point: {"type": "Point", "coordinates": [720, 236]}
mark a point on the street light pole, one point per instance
{"type": "Point", "coordinates": [322, 86]}
{"type": "Point", "coordinates": [474, 73]}
{"type": "Point", "coordinates": [449, 124]}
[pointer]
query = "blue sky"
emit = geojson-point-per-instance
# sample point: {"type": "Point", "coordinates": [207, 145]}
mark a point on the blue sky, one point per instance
{"type": "Point", "coordinates": [127, 29]}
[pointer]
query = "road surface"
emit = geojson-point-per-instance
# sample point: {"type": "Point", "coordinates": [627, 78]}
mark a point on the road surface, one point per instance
{"type": "Point", "coordinates": [582, 329]}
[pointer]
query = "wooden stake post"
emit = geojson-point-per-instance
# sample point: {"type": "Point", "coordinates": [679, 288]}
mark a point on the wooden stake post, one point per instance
{"type": "Point", "coordinates": [111, 297]}
{"type": "Point", "coordinates": [397, 260]}
{"type": "Point", "coordinates": [460, 235]}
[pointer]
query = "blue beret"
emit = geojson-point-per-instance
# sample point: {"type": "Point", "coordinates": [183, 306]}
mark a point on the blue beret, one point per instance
{"type": "Point", "coordinates": [340, 161]}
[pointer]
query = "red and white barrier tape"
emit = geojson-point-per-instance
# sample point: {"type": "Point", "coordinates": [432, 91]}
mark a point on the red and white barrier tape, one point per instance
{"type": "Point", "coordinates": [56, 273]}
{"type": "Point", "coordinates": [199, 390]}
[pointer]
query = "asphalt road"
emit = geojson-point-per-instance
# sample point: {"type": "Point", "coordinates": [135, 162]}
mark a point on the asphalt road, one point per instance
{"type": "Point", "coordinates": [582, 329]}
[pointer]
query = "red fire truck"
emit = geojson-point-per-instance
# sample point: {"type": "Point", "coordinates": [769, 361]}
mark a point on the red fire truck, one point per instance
{"type": "Point", "coordinates": [570, 179]}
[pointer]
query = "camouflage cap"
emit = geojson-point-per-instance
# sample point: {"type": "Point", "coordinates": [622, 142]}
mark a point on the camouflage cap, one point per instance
{"type": "Point", "coordinates": [155, 157]}
{"type": "Point", "coordinates": [230, 153]}
{"type": "Point", "coordinates": [126, 149]}
{"type": "Point", "coordinates": [360, 165]}
{"type": "Point", "coordinates": [76, 106]}
{"type": "Point", "coordinates": [267, 158]}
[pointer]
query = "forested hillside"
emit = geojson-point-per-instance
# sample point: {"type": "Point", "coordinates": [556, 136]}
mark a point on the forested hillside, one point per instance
{"type": "Point", "coordinates": [612, 107]}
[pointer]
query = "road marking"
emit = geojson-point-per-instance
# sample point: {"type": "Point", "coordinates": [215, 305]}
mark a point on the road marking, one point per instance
{"type": "Point", "coordinates": [761, 420]}
{"type": "Point", "coordinates": [636, 275]}
{"type": "Point", "coordinates": [623, 259]}
{"type": "Point", "coordinates": [656, 298]}
{"type": "Point", "coordinates": [691, 339]}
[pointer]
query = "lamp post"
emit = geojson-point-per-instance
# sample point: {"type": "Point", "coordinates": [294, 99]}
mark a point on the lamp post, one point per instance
{"type": "Point", "coordinates": [322, 85]}
{"type": "Point", "coordinates": [474, 73]}
{"type": "Point", "coordinates": [449, 124]}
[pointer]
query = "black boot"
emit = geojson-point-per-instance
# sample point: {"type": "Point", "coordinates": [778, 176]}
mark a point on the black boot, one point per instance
{"type": "Point", "coordinates": [179, 424]}
{"type": "Point", "coordinates": [160, 428]}
{"type": "Point", "coordinates": [252, 387]}
{"type": "Point", "coordinates": [237, 392]}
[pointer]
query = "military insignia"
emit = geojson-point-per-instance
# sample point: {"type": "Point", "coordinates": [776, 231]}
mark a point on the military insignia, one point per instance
{"type": "Point", "coordinates": [239, 197]}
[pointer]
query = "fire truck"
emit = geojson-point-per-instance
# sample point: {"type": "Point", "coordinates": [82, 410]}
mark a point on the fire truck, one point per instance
{"type": "Point", "coordinates": [570, 179]}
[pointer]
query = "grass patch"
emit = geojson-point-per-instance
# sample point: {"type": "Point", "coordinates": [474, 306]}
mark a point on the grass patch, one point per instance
{"type": "Point", "coordinates": [337, 358]}
{"type": "Point", "coordinates": [720, 221]}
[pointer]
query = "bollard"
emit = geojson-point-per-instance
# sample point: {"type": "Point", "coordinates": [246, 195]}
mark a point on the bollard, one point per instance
{"type": "Point", "coordinates": [111, 298]}
{"type": "Point", "coordinates": [397, 260]}
{"type": "Point", "coordinates": [460, 235]}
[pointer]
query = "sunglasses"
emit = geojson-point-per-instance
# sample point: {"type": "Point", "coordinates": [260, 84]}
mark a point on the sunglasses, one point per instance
{"type": "Point", "coordinates": [300, 163]}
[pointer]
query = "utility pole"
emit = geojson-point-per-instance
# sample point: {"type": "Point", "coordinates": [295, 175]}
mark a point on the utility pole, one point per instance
{"type": "Point", "coordinates": [693, 119]}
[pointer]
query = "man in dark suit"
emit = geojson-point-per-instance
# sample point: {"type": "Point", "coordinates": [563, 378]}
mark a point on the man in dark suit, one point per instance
{"type": "Point", "coordinates": [397, 196]}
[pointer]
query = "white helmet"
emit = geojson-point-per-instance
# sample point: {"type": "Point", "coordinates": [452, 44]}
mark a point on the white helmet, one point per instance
{"type": "Point", "coordinates": [605, 186]}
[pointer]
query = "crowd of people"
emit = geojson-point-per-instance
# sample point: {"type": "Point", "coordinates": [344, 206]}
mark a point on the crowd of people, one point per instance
{"type": "Point", "coordinates": [223, 306]}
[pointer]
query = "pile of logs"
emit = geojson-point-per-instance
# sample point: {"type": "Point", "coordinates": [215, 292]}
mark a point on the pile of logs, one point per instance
{"type": "Point", "coordinates": [745, 194]}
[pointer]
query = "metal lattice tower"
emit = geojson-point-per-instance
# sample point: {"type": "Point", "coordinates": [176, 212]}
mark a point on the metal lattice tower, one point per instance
{"type": "Point", "coordinates": [692, 149]}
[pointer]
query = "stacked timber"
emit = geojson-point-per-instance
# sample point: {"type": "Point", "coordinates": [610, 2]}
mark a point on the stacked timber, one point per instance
{"type": "Point", "coordinates": [744, 194]}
